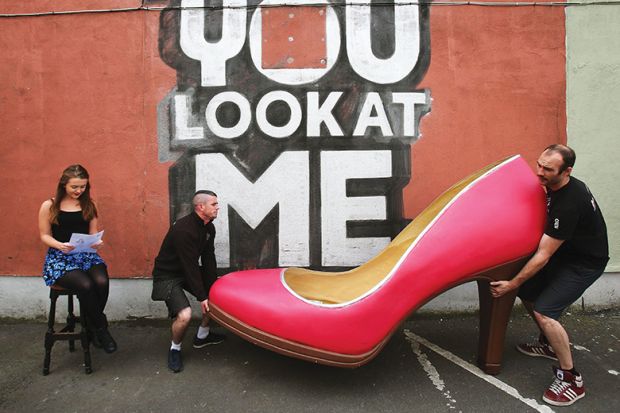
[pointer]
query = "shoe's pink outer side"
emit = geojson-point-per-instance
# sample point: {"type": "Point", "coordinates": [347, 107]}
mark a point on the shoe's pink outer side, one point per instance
{"type": "Point", "coordinates": [499, 219]}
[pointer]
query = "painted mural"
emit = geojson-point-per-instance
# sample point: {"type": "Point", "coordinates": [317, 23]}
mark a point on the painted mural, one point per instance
{"type": "Point", "coordinates": [300, 117]}
{"type": "Point", "coordinates": [327, 155]}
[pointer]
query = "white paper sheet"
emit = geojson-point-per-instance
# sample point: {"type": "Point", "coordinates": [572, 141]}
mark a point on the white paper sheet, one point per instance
{"type": "Point", "coordinates": [82, 242]}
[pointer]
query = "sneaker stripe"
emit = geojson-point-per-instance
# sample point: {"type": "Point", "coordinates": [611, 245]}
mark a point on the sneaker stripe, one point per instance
{"type": "Point", "coordinates": [570, 394]}
{"type": "Point", "coordinates": [537, 350]}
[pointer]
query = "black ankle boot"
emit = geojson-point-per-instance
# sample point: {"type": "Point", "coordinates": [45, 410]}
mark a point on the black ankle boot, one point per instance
{"type": "Point", "coordinates": [105, 338]}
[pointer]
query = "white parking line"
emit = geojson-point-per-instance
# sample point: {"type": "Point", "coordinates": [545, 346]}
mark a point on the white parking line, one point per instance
{"type": "Point", "coordinates": [411, 337]}
{"type": "Point", "coordinates": [433, 374]}
{"type": "Point", "coordinates": [580, 348]}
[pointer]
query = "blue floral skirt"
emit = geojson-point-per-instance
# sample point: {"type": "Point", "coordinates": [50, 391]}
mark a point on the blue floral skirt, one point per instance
{"type": "Point", "coordinates": [57, 264]}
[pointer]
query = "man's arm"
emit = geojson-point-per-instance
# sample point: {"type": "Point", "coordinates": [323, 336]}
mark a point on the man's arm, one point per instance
{"type": "Point", "coordinates": [209, 263]}
{"type": "Point", "coordinates": [546, 248]}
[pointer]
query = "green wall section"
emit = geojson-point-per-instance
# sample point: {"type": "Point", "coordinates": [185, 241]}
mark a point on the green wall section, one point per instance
{"type": "Point", "coordinates": [593, 107]}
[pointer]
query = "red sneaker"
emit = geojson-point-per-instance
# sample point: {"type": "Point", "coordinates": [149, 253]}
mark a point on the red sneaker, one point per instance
{"type": "Point", "coordinates": [537, 349]}
{"type": "Point", "coordinates": [565, 390]}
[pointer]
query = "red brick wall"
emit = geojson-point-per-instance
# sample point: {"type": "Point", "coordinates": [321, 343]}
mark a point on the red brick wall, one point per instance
{"type": "Point", "coordinates": [84, 88]}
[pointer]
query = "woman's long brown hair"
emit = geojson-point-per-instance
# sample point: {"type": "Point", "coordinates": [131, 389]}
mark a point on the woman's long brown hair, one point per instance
{"type": "Point", "coordinates": [89, 210]}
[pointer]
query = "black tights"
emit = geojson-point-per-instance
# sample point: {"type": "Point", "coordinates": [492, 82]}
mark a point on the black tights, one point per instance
{"type": "Point", "coordinates": [92, 288]}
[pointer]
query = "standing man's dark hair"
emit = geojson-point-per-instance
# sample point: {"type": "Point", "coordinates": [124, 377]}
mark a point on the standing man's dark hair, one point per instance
{"type": "Point", "coordinates": [186, 261]}
{"type": "Point", "coordinates": [568, 155]}
{"type": "Point", "coordinates": [571, 255]}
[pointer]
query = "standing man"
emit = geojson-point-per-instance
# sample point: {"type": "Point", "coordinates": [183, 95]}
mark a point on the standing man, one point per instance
{"type": "Point", "coordinates": [571, 255]}
{"type": "Point", "coordinates": [186, 261]}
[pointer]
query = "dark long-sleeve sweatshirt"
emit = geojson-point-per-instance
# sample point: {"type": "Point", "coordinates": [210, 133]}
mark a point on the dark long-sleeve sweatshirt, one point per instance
{"type": "Point", "coordinates": [187, 240]}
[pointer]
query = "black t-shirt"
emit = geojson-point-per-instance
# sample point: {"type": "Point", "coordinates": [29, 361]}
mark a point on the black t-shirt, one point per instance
{"type": "Point", "coordinates": [575, 217]}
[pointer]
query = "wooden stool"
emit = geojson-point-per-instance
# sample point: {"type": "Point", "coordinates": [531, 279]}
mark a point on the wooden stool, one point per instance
{"type": "Point", "coordinates": [68, 332]}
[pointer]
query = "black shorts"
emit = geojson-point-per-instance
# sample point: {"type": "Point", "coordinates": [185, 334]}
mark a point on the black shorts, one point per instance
{"type": "Point", "coordinates": [172, 291]}
{"type": "Point", "coordinates": [557, 286]}
{"type": "Point", "coordinates": [177, 300]}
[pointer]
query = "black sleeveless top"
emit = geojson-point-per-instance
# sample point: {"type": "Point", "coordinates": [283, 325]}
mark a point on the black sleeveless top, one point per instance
{"type": "Point", "coordinates": [68, 223]}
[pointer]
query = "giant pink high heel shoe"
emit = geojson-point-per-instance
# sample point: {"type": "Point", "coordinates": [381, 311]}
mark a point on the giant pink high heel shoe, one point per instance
{"type": "Point", "coordinates": [483, 228]}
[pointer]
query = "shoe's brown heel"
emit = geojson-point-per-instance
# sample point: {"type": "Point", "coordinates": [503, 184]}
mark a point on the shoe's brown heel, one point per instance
{"type": "Point", "coordinates": [494, 316]}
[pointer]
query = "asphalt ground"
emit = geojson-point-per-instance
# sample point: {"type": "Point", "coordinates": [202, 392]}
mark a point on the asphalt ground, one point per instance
{"type": "Point", "coordinates": [428, 366]}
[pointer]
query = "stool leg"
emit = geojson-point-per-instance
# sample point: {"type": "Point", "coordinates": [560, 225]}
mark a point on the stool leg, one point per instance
{"type": "Point", "coordinates": [71, 321]}
{"type": "Point", "coordinates": [49, 335]}
{"type": "Point", "coordinates": [84, 341]}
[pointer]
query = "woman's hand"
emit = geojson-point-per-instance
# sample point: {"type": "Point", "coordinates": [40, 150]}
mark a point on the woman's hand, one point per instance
{"type": "Point", "coordinates": [65, 247]}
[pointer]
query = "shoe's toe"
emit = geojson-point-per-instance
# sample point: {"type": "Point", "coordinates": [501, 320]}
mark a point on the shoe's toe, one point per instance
{"type": "Point", "coordinates": [258, 299]}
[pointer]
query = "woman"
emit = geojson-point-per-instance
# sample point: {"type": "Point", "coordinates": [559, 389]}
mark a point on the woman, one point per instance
{"type": "Point", "coordinates": [73, 211]}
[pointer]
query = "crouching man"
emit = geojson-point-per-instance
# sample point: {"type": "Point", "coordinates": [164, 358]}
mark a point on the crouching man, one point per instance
{"type": "Point", "coordinates": [186, 261]}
